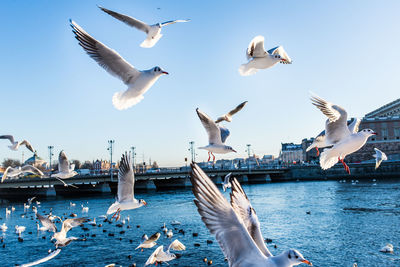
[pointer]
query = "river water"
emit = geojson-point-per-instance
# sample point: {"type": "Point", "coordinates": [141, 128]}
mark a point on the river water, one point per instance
{"type": "Point", "coordinates": [347, 223]}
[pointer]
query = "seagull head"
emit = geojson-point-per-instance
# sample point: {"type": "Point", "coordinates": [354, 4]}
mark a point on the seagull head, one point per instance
{"type": "Point", "coordinates": [368, 132]}
{"type": "Point", "coordinates": [295, 257]}
{"type": "Point", "coordinates": [231, 149]}
{"type": "Point", "coordinates": [158, 71]}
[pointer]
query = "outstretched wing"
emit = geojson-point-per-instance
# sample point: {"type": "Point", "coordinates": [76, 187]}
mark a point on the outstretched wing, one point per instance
{"type": "Point", "coordinates": [73, 222]}
{"type": "Point", "coordinates": [154, 237]}
{"type": "Point", "coordinates": [107, 58]}
{"type": "Point", "coordinates": [32, 169]}
{"type": "Point", "coordinates": [9, 137]}
{"type": "Point", "coordinates": [46, 222]}
{"type": "Point", "coordinates": [213, 131]}
{"type": "Point", "coordinates": [242, 206]}
{"type": "Point", "coordinates": [224, 133]}
{"type": "Point", "coordinates": [256, 48]}
{"type": "Point", "coordinates": [5, 174]}
{"type": "Point", "coordinates": [153, 257]}
{"type": "Point", "coordinates": [222, 221]}
{"type": "Point", "coordinates": [176, 245]}
{"type": "Point", "coordinates": [63, 163]}
{"type": "Point", "coordinates": [126, 179]}
{"type": "Point", "coordinates": [173, 21]}
{"type": "Point", "coordinates": [238, 108]}
{"type": "Point", "coordinates": [140, 25]}
{"type": "Point", "coordinates": [28, 145]}
{"type": "Point", "coordinates": [355, 125]}
{"type": "Point", "coordinates": [282, 53]}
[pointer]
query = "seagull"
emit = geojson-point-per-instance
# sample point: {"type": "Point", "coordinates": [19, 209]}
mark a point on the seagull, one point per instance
{"type": "Point", "coordinates": [170, 233]}
{"type": "Point", "coordinates": [65, 169]}
{"type": "Point", "coordinates": [8, 212]}
{"type": "Point", "coordinates": [163, 254]}
{"type": "Point", "coordinates": [47, 224]}
{"type": "Point", "coordinates": [61, 237]}
{"type": "Point", "coordinates": [387, 249]}
{"type": "Point", "coordinates": [228, 116]}
{"type": "Point", "coordinates": [240, 246]}
{"type": "Point", "coordinates": [93, 223]}
{"type": "Point", "coordinates": [30, 200]}
{"type": "Point", "coordinates": [72, 204]}
{"type": "Point", "coordinates": [379, 156]}
{"type": "Point", "coordinates": [174, 222]}
{"type": "Point", "coordinates": [126, 181]}
{"type": "Point", "coordinates": [261, 59]}
{"type": "Point", "coordinates": [217, 136]}
{"type": "Point", "coordinates": [344, 139]}
{"type": "Point", "coordinates": [3, 227]}
{"type": "Point", "coordinates": [15, 144]}
{"type": "Point", "coordinates": [164, 229]}
{"type": "Point", "coordinates": [153, 31]}
{"type": "Point", "coordinates": [138, 81]}
{"type": "Point", "coordinates": [47, 258]}
{"type": "Point", "coordinates": [85, 209]}
{"type": "Point", "coordinates": [19, 229]}
{"type": "Point", "coordinates": [65, 184]}
{"type": "Point", "coordinates": [227, 182]}
{"type": "Point", "coordinates": [321, 141]}
{"type": "Point", "coordinates": [148, 242]}
{"type": "Point", "coordinates": [14, 172]}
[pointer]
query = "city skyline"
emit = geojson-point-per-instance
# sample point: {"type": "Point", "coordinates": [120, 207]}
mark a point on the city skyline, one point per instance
{"type": "Point", "coordinates": [54, 94]}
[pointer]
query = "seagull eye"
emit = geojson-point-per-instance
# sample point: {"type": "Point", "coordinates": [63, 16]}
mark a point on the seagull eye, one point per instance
{"type": "Point", "coordinates": [289, 256]}
{"type": "Point", "coordinates": [297, 257]}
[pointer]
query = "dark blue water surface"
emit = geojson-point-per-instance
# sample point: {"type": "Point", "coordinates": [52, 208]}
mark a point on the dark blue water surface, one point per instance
{"type": "Point", "coordinates": [348, 223]}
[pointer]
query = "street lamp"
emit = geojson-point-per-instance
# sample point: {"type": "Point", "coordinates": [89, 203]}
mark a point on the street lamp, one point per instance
{"type": "Point", "coordinates": [192, 151]}
{"type": "Point", "coordinates": [133, 157]}
{"type": "Point", "coordinates": [50, 155]}
{"type": "Point", "coordinates": [248, 153]}
{"type": "Point", "coordinates": [110, 148]}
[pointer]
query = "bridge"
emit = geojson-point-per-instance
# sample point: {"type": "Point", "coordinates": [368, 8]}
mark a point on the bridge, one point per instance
{"type": "Point", "coordinates": [98, 184]}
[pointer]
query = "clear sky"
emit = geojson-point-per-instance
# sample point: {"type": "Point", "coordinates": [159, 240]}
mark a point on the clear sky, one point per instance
{"type": "Point", "coordinates": [54, 94]}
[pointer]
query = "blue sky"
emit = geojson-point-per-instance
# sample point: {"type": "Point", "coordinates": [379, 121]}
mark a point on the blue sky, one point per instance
{"type": "Point", "coordinates": [54, 94]}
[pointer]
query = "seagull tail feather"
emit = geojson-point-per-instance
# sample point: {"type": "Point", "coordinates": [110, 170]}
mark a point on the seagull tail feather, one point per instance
{"type": "Point", "coordinates": [122, 102]}
{"type": "Point", "coordinates": [328, 158]}
{"type": "Point", "coordinates": [246, 70]}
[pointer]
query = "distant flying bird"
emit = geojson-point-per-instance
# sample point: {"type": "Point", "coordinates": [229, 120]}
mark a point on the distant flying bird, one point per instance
{"type": "Point", "coordinates": [379, 156]}
{"type": "Point", "coordinates": [15, 144]}
{"type": "Point", "coordinates": [47, 224]}
{"type": "Point", "coordinates": [13, 172]}
{"type": "Point", "coordinates": [261, 59]}
{"type": "Point", "coordinates": [163, 254]}
{"type": "Point", "coordinates": [153, 31]}
{"type": "Point", "coordinates": [148, 242]}
{"type": "Point", "coordinates": [228, 116]}
{"type": "Point", "coordinates": [236, 226]}
{"type": "Point", "coordinates": [217, 136]}
{"type": "Point", "coordinates": [61, 237]}
{"type": "Point", "coordinates": [31, 199]}
{"type": "Point", "coordinates": [126, 182]}
{"type": "Point", "coordinates": [65, 169]}
{"type": "Point", "coordinates": [138, 82]}
{"type": "Point", "coordinates": [321, 141]}
{"type": "Point", "coordinates": [227, 182]}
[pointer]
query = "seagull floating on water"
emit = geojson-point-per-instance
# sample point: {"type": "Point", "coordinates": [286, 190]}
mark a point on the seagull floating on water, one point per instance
{"type": "Point", "coordinates": [387, 249]}
{"type": "Point", "coordinates": [236, 226]}
{"type": "Point", "coordinates": [379, 156]}
{"type": "Point", "coordinates": [3, 227]}
{"type": "Point", "coordinates": [217, 136]}
{"type": "Point", "coordinates": [261, 59]}
{"type": "Point", "coordinates": [126, 182]}
{"type": "Point", "coordinates": [14, 172]}
{"type": "Point", "coordinates": [138, 82]}
{"type": "Point", "coordinates": [344, 141]}
{"type": "Point", "coordinates": [148, 242]}
{"type": "Point", "coordinates": [228, 116]}
{"type": "Point", "coordinates": [15, 144]}
{"type": "Point", "coordinates": [65, 169]}
{"type": "Point", "coordinates": [153, 31]}
{"type": "Point", "coordinates": [163, 254]}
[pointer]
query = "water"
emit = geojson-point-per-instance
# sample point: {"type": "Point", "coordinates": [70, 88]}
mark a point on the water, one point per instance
{"type": "Point", "coordinates": [348, 223]}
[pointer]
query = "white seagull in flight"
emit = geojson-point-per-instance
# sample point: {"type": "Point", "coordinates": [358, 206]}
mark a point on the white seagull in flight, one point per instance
{"type": "Point", "coordinates": [217, 136]}
{"type": "Point", "coordinates": [13, 172]}
{"type": "Point", "coordinates": [261, 59]}
{"type": "Point", "coordinates": [126, 182]}
{"type": "Point", "coordinates": [61, 237]}
{"type": "Point", "coordinates": [379, 156]}
{"type": "Point", "coordinates": [138, 81]}
{"type": "Point", "coordinates": [153, 31]}
{"type": "Point", "coordinates": [65, 169]}
{"type": "Point", "coordinates": [163, 254]}
{"type": "Point", "coordinates": [228, 116]}
{"type": "Point", "coordinates": [236, 226]}
{"type": "Point", "coordinates": [15, 144]}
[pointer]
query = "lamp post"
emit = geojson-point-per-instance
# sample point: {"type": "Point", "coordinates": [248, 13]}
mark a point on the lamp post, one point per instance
{"type": "Point", "coordinates": [192, 151]}
{"type": "Point", "coordinates": [50, 155]}
{"type": "Point", "coordinates": [248, 158]}
{"type": "Point", "coordinates": [133, 157]}
{"type": "Point", "coordinates": [110, 148]}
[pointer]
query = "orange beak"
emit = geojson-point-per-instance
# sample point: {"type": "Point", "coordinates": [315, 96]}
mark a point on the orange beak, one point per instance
{"type": "Point", "coordinates": [165, 72]}
{"type": "Point", "coordinates": [375, 133]}
{"type": "Point", "coordinates": [144, 203]}
{"type": "Point", "coordinates": [306, 262]}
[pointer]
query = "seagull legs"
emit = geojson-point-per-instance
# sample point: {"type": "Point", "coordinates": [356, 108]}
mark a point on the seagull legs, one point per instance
{"type": "Point", "coordinates": [345, 165]}
{"type": "Point", "coordinates": [209, 156]}
{"type": "Point", "coordinates": [117, 214]}
{"type": "Point", "coordinates": [316, 148]}
{"type": "Point", "coordinates": [213, 157]}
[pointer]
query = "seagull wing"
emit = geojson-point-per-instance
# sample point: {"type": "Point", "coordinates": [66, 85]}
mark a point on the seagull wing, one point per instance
{"type": "Point", "coordinates": [47, 258]}
{"type": "Point", "coordinates": [213, 131]}
{"type": "Point", "coordinates": [107, 58]}
{"type": "Point", "coordinates": [28, 145]}
{"type": "Point", "coordinates": [227, 178]}
{"type": "Point", "coordinates": [355, 125]}
{"type": "Point", "coordinates": [63, 163]}
{"type": "Point", "coordinates": [222, 221]}
{"type": "Point", "coordinates": [71, 223]}
{"type": "Point", "coordinates": [242, 206]}
{"type": "Point", "coordinates": [9, 137]}
{"type": "Point", "coordinates": [282, 53]}
{"type": "Point", "coordinates": [5, 173]}
{"type": "Point", "coordinates": [237, 109]}
{"type": "Point", "coordinates": [126, 179]}
{"type": "Point", "coordinates": [46, 222]}
{"type": "Point", "coordinates": [173, 21]}
{"type": "Point", "coordinates": [140, 25]}
{"type": "Point", "coordinates": [224, 133]}
{"type": "Point", "coordinates": [154, 237]}
{"type": "Point", "coordinates": [32, 169]}
{"type": "Point", "coordinates": [176, 245]}
{"type": "Point", "coordinates": [145, 238]}
{"type": "Point", "coordinates": [256, 48]}
{"type": "Point", "coordinates": [153, 257]}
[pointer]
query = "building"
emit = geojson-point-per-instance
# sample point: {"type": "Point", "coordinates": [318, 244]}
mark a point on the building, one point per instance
{"type": "Point", "coordinates": [36, 161]}
{"type": "Point", "coordinates": [291, 153]}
